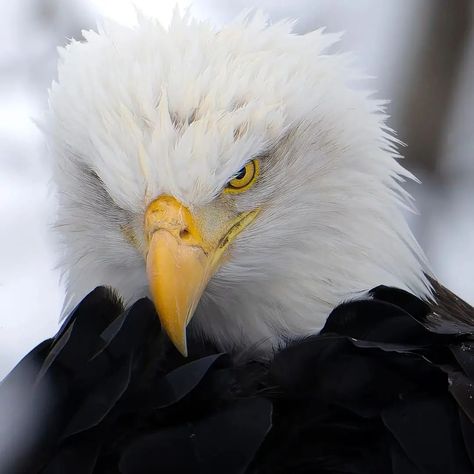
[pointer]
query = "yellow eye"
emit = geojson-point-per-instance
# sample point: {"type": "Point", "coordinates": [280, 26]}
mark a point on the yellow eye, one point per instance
{"type": "Point", "coordinates": [244, 179]}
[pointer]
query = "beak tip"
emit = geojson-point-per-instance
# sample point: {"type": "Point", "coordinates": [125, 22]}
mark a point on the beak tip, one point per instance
{"type": "Point", "coordinates": [178, 339]}
{"type": "Point", "coordinates": [182, 348]}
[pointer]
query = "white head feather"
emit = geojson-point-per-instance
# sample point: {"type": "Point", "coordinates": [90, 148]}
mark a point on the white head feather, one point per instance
{"type": "Point", "coordinates": [145, 111]}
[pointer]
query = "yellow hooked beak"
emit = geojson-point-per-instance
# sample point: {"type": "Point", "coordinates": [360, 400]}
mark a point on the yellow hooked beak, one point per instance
{"type": "Point", "coordinates": [180, 261]}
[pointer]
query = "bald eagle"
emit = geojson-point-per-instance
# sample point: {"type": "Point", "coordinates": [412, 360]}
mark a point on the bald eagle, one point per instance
{"type": "Point", "coordinates": [237, 184]}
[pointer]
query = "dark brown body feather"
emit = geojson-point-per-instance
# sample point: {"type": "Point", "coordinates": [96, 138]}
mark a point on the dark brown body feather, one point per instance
{"type": "Point", "coordinates": [449, 312]}
{"type": "Point", "coordinates": [385, 388]}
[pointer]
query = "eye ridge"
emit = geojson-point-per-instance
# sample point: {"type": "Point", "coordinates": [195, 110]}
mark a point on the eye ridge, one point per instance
{"type": "Point", "coordinates": [244, 179]}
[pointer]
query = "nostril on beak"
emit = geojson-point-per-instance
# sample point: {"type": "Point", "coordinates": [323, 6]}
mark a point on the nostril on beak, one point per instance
{"type": "Point", "coordinates": [184, 234]}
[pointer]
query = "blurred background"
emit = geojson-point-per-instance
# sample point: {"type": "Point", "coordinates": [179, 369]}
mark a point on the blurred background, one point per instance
{"type": "Point", "coordinates": [420, 51]}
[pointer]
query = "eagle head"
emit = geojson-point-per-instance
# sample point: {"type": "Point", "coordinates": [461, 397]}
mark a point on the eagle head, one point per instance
{"type": "Point", "coordinates": [236, 176]}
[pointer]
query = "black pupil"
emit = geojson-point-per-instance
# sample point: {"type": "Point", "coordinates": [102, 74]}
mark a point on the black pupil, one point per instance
{"type": "Point", "coordinates": [240, 174]}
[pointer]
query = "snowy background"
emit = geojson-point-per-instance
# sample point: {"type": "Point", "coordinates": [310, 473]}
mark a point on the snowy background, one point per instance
{"type": "Point", "coordinates": [421, 51]}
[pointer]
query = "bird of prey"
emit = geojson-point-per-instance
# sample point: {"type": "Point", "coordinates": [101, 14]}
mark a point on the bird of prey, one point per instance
{"type": "Point", "coordinates": [226, 174]}
{"type": "Point", "coordinates": [243, 181]}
